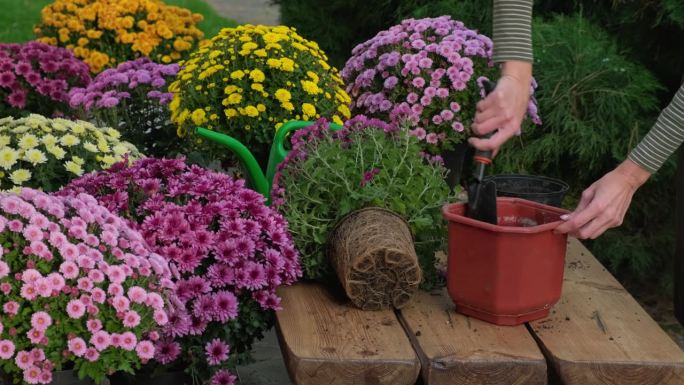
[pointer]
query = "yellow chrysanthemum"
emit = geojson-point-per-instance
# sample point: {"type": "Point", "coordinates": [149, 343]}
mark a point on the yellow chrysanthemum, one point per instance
{"type": "Point", "coordinates": [310, 87]}
{"type": "Point", "coordinates": [237, 75]}
{"type": "Point", "coordinates": [251, 111]}
{"type": "Point", "coordinates": [49, 140]}
{"type": "Point", "coordinates": [90, 147]}
{"type": "Point", "coordinates": [283, 95]}
{"type": "Point", "coordinates": [8, 157]}
{"type": "Point", "coordinates": [120, 149]}
{"type": "Point", "coordinates": [199, 116]}
{"type": "Point", "coordinates": [108, 160]}
{"type": "Point", "coordinates": [69, 140]}
{"type": "Point", "coordinates": [73, 167]}
{"type": "Point", "coordinates": [103, 146]}
{"type": "Point", "coordinates": [78, 160]}
{"type": "Point", "coordinates": [35, 157]}
{"type": "Point", "coordinates": [234, 98]}
{"type": "Point", "coordinates": [19, 176]}
{"type": "Point", "coordinates": [344, 110]}
{"type": "Point", "coordinates": [309, 109]}
{"type": "Point", "coordinates": [257, 75]}
{"type": "Point", "coordinates": [57, 151]}
{"type": "Point", "coordinates": [28, 141]}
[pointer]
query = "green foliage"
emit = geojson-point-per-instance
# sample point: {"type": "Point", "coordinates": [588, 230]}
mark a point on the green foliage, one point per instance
{"type": "Point", "coordinates": [331, 176]}
{"type": "Point", "coordinates": [652, 31]}
{"type": "Point", "coordinates": [337, 25]}
{"type": "Point", "coordinates": [594, 102]}
{"type": "Point", "coordinates": [475, 14]}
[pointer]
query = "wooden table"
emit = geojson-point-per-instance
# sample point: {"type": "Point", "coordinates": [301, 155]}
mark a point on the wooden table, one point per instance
{"type": "Point", "coordinates": [596, 334]}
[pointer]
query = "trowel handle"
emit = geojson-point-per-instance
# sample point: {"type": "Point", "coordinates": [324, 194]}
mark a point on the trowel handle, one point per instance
{"type": "Point", "coordinates": [485, 157]}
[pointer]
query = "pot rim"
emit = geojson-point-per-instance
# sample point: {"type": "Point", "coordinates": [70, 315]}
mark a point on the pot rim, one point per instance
{"type": "Point", "coordinates": [563, 187]}
{"type": "Point", "coordinates": [449, 215]}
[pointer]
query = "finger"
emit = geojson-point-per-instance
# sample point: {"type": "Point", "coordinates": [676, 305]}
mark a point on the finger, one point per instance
{"type": "Point", "coordinates": [595, 228]}
{"type": "Point", "coordinates": [484, 115]}
{"type": "Point", "coordinates": [489, 125]}
{"type": "Point", "coordinates": [491, 144]}
{"type": "Point", "coordinates": [486, 103]}
{"type": "Point", "coordinates": [582, 218]}
{"type": "Point", "coordinates": [572, 224]}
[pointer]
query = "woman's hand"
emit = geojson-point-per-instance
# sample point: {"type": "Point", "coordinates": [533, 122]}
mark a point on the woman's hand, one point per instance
{"type": "Point", "coordinates": [504, 108]}
{"type": "Point", "coordinates": [604, 203]}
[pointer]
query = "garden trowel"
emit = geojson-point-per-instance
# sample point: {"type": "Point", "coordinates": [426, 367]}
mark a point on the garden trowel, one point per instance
{"type": "Point", "coordinates": [482, 194]}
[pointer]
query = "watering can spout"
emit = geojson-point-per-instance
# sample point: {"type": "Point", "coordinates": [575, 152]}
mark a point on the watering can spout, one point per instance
{"type": "Point", "coordinates": [254, 174]}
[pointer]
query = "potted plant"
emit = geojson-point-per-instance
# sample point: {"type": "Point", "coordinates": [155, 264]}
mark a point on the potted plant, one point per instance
{"type": "Point", "coordinates": [230, 252]}
{"type": "Point", "coordinates": [424, 72]}
{"type": "Point", "coordinates": [330, 175]}
{"type": "Point", "coordinates": [36, 78]}
{"type": "Point", "coordinates": [47, 153]}
{"type": "Point", "coordinates": [81, 290]}
{"type": "Point", "coordinates": [140, 28]}
{"type": "Point", "coordinates": [249, 80]}
{"type": "Point", "coordinates": [132, 98]}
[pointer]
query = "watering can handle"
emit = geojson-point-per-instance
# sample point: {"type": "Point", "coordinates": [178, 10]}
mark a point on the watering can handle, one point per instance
{"type": "Point", "coordinates": [287, 128]}
{"type": "Point", "coordinates": [278, 151]}
{"type": "Point", "coordinates": [254, 173]}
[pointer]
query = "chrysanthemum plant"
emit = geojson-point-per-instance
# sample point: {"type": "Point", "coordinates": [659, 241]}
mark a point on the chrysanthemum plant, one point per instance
{"type": "Point", "coordinates": [132, 98]}
{"type": "Point", "coordinates": [36, 78]}
{"type": "Point", "coordinates": [230, 252]}
{"type": "Point", "coordinates": [47, 153]}
{"type": "Point", "coordinates": [80, 289]}
{"type": "Point", "coordinates": [249, 80]}
{"type": "Point", "coordinates": [369, 163]}
{"type": "Point", "coordinates": [105, 33]}
{"type": "Point", "coordinates": [424, 72]}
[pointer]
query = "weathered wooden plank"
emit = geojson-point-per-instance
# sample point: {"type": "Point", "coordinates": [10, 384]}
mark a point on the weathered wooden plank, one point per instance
{"type": "Point", "coordinates": [598, 334]}
{"type": "Point", "coordinates": [326, 341]}
{"type": "Point", "coordinates": [458, 350]}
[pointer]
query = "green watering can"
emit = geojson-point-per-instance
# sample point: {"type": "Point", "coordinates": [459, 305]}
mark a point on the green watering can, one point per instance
{"type": "Point", "coordinates": [260, 182]}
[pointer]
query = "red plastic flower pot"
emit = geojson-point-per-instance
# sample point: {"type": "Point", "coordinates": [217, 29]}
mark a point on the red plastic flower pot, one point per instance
{"type": "Point", "coordinates": [508, 273]}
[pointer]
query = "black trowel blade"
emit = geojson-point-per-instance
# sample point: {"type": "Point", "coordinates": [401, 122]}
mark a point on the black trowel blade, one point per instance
{"type": "Point", "coordinates": [482, 202]}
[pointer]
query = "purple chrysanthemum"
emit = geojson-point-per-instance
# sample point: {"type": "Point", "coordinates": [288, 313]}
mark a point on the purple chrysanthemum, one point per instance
{"type": "Point", "coordinates": [436, 60]}
{"type": "Point", "coordinates": [223, 377]}
{"type": "Point", "coordinates": [225, 306]}
{"type": "Point", "coordinates": [167, 351]}
{"type": "Point", "coordinates": [203, 308]}
{"type": "Point", "coordinates": [216, 352]}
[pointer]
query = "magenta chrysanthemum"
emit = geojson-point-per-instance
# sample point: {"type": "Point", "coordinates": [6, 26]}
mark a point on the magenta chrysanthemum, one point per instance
{"type": "Point", "coordinates": [223, 377]}
{"type": "Point", "coordinates": [216, 351]}
{"type": "Point", "coordinates": [36, 77]}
